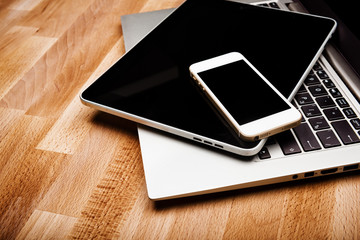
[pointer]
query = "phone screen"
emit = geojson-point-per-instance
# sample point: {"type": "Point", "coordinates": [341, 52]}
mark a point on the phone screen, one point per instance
{"type": "Point", "coordinates": [245, 95]}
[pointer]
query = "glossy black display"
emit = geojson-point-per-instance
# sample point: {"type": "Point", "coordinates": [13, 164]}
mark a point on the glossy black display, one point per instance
{"type": "Point", "coordinates": [152, 80]}
{"type": "Point", "coordinates": [244, 94]}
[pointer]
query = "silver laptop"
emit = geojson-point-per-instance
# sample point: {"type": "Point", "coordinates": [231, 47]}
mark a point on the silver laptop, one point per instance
{"type": "Point", "coordinates": [327, 141]}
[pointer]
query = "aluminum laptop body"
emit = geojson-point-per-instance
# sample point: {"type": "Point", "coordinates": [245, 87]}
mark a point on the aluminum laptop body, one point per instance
{"type": "Point", "coordinates": [175, 167]}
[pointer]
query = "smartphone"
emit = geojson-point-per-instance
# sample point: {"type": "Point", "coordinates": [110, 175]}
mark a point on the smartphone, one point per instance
{"type": "Point", "coordinates": [244, 97]}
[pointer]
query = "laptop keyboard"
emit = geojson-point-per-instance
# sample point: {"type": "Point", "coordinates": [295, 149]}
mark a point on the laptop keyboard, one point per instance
{"type": "Point", "coordinates": [328, 119]}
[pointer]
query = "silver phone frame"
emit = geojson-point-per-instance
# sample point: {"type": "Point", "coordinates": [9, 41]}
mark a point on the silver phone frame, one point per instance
{"type": "Point", "coordinates": [259, 128]}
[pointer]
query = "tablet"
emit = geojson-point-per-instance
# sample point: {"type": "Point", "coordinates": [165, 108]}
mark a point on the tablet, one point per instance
{"type": "Point", "coordinates": [151, 83]}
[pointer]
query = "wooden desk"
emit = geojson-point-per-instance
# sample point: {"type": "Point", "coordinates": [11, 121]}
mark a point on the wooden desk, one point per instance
{"type": "Point", "coordinates": [68, 170]}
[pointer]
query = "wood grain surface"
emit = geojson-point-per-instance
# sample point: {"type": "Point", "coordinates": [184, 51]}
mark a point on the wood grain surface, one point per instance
{"type": "Point", "coordinates": [68, 171]}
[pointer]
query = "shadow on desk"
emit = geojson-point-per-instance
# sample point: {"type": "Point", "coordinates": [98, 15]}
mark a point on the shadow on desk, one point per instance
{"type": "Point", "coordinates": [114, 122]}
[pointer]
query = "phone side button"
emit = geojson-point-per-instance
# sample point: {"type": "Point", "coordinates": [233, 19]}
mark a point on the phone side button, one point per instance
{"type": "Point", "coordinates": [288, 143]}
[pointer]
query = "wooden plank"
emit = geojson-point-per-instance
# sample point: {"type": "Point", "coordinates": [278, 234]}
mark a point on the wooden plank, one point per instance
{"type": "Point", "coordinates": [153, 5]}
{"type": "Point", "coordinates": [259, 213]}
{"type": "Point", "coordinates": [69, 130]}
{"type": "Point", "coordinates": [101, 145]}
{"type": "Point", "coordinates": [60, 81]}
{"type": "Point", "coordinates": [52, 18]}
{"type": "Point", "coordinates": [7, 118]}
{"type": "Point", "coordinates": [9, 17]}
{"type": "Point", "coordinates": [346, 211]}
{"type": "Point", "coordinates": [23, 134]}
{"type": "Point", "coordinates": [304, 208]}
{"type": "Point", "coordinates": [14, 37]}
{"type": "Point", "coordinates": [75, 122]}
{"type": "Point", "coordinates": [46, 225]}
{"type": "Point", "coordinates": [26, 173]}
{"type": "Point", "coordinates": [24, 5]}
{"type": "Point", "coordinates": [19, 56]}
{"type": "Point", "coordinates": [123, 180]}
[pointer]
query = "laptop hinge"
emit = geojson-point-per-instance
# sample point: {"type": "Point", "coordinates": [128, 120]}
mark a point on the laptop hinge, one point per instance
{"type": "Point", "coordinates": [345, 71]}
{"type": "Point", "coordinates": [296, 6]}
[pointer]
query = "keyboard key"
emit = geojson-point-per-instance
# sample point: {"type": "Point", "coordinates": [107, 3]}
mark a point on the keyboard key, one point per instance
{"type": "Point", "coordinates": [270, 141]}
{"type": "Point", "coordinates": [328, 83]}
{"type": "Point", "coordinates": [355, 123]}
{"type": "Point", "coordinates": [317, 90]}
{"type": "Point", "coordinates": [264, 153]}
{"type": "Point", "coordinates": [322, 74]}
{"type": "Point", "coordinates": [306, 137]}
{"type": "Point", "coordinates": [303, 98]}
{"type": "Point", "coordinates": [318, 123]}
{"type": "Point", "coordinates": [317, 66]}
{"type": "Point", "coordinates": [311, 110]}
{"type": "Point", "coordinates": [349, 113]}
{"type": "Point", "coordinates": [346, 133]}
{"type": "Point", "coordinates": [333, 114]}
{"type": "Point", "coordinates": [335, 92]}
{"type": "Point", "coordinates": [342, 102]}
{"type": "Point", "coordinates": [311, 79]}
{"type": "Point", "coordinates": [302, 89]}
{"type": "Point", "coordinates": [288, 143]}
{"type": "Point", "coordinates": [328, 138]}
{"type": "Point", "coordinates": [274, 5]}
{"type": "Point", "coordinates": [325, 102]}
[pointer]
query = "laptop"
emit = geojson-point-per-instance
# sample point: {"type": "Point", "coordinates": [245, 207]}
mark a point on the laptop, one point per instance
{"type": "Point", "coordinates": [327, 142]}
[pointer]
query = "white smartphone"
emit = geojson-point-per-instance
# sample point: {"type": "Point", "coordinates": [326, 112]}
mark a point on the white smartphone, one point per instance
{"type": "Point", "coordinates": [246, 99]}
